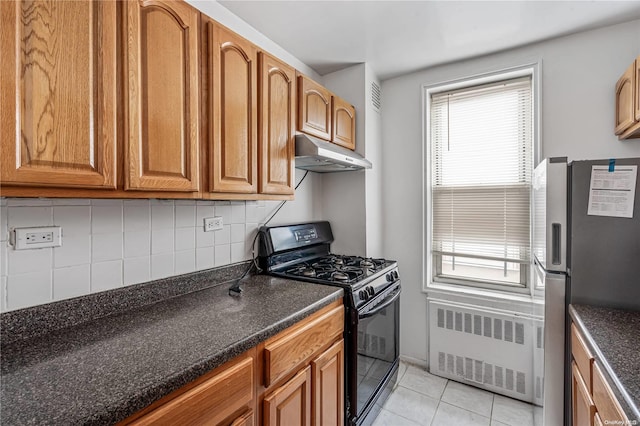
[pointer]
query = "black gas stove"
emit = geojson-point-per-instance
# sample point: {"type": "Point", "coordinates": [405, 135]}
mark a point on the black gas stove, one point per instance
{"type": "Point", "coordinates": [372, 304]}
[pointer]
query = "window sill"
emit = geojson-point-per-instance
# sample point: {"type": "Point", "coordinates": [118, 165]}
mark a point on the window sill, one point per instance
{"type": "Point", "coordinates": [484, 294]}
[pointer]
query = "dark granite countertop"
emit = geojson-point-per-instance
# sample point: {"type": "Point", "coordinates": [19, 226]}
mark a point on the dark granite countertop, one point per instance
{"type": "Point", "coordinates": [103, 370]}
{"type": "Point", "coordinates": [613, 335]}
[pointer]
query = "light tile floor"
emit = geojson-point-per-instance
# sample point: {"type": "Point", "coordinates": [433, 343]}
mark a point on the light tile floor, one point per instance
{"type": "Point", "coordinates": [421, 398]}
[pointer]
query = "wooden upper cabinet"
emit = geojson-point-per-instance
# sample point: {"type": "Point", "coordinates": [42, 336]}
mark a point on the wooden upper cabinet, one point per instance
{"type": "Point", "coordinates": [277, 126]}
{"type": "Point", "coordinates": [162, 91]}
{"type": "Point", "coordinates": [58, 100]}
{"type": "Point", "coordinates": [625, 105]}
{"type": "Point", "coordinates": [314, 108]}
{"type": "Point", "coordinates": [344, 123]}
{"type": "Point", "coordinates": [232, 112]}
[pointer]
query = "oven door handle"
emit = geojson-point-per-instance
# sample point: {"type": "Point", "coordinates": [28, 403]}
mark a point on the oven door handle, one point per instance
{"type": "Point", "coordinates": [388, 301]}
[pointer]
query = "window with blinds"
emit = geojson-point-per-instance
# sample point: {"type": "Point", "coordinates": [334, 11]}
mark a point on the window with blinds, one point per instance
{"type": "Point", "coordinates": [481, 166]}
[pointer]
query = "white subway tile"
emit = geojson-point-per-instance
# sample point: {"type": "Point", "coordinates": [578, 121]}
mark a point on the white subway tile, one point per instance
{"type": "Point", "coordinates": [106, 275]}
{"type": "Point", "coordinates": [3, 201]}
{"type": "Point", "coordinates": [71, 201]}
{"type": "Point", "coordinates": [106, 202]}
{"type": "Point", "coordinates": [75, 250]}
{"type": "Point", "coordinates": [28, 202]}
{"type": "Point", "coordinates": [223, 255]}
{"type": "Point", "coordinates": [19, 217]}
{"type": "Point", "coordinates": [71, 282]}
{"type": "Point", "coordinates": [223, 236]}
{"type": "Point", "coordinates": [159, 202]}
{"type": "Point", "coordinates": [184, 202]}
{"type": "Point", "coordinates": [237, 232]}
{"type": "Point", "coordinates": [185, 261]}
{"type": "Point", "coordinates": [238, 213]}
{"type": "Point", "coordinates": [162, 217]}
{"type": "Point", "coordinates": [106, 219]}
{"type": "Point", "coordinates": [4, 229]}
{"type": "Point", "coordinates": [225, 213]}
{"type": "Point", "coordinates": [251, 229]}
{"type": "Point", "coordinates": [203, 212]}
{"type": "Point", "coordinates": [255, 213]}
{"type": "Point", "coordinates": [185, 216]}
{"type": "Point", "coordinates": [205, 258]}
{"type": "Point", "coordinates": [161, 265]}
{"type": "Point", "coordinates": [4, 248]}
{"type": "Point", "coordinates": [238, 253]}
{"type": "Point", "coordinates": [29, 289]}
{"type": "Point", "coordinates": [137, 270]}
{"type": "Point", "coordinates": [137, 244]}
{"type": "Point", "coordinates": [137, 218]}
{"type": "Point", "coordinates": [106, 247]}
{"type": "Point", "coordinates": [24, 261]}
{"type": "Point", "coordinates": [74, 220]}
{"type": "Point", "coordinates": [223, 202]}
{"type": "Point", "coordinates": [137, 202]}
{"type": "Point", "coordinates": [162, 241]}
{"type": "Point", "coordinates": [185, 239]}
{"type": "Point", "coordinates": [205, 202]}
{"type": "Point", "coordinates": [3, 294]}
{"type": "Point", "coordinates": [204, 239]}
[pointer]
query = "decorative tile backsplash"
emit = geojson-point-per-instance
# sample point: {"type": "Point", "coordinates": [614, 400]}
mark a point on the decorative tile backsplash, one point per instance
{"type": "Point", "coordinates": [113, 243]}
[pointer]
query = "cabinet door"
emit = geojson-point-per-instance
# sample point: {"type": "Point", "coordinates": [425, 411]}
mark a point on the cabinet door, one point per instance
{"type": "Point", "coordinates": [277, 126]}
{"type": "Point", "coordinates": [246, 419]}
{"type": "Point", "coordinates": [344, 123]}
{"type": "Point", "coordinates": [625, 107]}
{"type": "Point", "coordinates": [290, 404]}
{"type": "Point", "coordinates": [314, 108]}
{"type": "Point", "coordinates": [58, 100]}
{"type": "Point", "coordinates": [161, 152]}
{"type": "Point", "coordinates": [637, 89]}
{"type": "Point", "coordinates": [583, 409]}
{"type": "Point", "coordinates": [232, 112]}
{"type": "Point", "coordinates": [327, 377]}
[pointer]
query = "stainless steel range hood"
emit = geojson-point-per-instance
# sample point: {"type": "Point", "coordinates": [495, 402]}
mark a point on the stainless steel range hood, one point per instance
{"type": "Point", "coordinates": [320, 156]}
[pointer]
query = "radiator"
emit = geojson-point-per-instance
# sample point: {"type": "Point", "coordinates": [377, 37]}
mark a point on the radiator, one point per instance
{"type": "Point", "coordinates": [496, 350]}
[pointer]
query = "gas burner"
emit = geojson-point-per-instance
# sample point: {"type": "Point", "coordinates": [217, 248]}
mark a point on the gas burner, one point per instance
{"type": "Point", "coordinates": [367, 263]}
{"type": "Point", "coordinates": [309, 272]}
{"type": "Point", "coordinates": [339, 276]}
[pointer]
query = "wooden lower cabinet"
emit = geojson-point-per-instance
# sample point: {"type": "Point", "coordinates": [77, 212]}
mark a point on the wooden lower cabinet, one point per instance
{"type": "Point", "coordinates": [290, 404]}
{"type": "Point", "coordinates": [310, 391]}
{"type": "Point", "coordinates": [592, 399]}
{"type": "Point", "coordinates": [583, 409]}
{"type": "Point", "coordinates": [327, 378]}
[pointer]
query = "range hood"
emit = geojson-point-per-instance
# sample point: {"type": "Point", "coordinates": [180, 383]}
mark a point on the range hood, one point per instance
{"type": "Point", "coordinates": [320, 156]}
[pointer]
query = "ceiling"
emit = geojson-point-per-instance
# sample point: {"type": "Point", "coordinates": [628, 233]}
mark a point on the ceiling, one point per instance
{"type": "Point", "coordinates": [397, 37]}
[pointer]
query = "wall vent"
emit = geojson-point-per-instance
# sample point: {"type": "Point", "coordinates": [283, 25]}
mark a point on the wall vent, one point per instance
{"type": "Point", "coordinates": [491, 349]}
{"type": "Point", "coordinates": [376, 96]}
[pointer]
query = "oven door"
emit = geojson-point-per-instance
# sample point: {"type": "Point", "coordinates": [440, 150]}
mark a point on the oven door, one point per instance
{"type": "Point", "coordinates": [377, 346]}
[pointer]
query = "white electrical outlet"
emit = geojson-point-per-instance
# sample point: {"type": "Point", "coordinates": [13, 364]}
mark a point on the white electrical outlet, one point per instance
{"type": "Point", "coordinates": [212, 223]}
{"type": "Point", "coordinates": [36, 237]}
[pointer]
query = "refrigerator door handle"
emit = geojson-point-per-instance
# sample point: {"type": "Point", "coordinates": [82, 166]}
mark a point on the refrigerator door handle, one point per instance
{"type": "Point", "coordinates": [556, 248]}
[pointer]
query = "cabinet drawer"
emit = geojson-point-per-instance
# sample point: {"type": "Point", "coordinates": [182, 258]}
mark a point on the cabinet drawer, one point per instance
{"type": "Point", "coordinates": [287, 352]}
{"type": "Point", "coordinates": [209, 402]}
{"type": "Point", "coordinates": [606, 403]}
{"type": "Point", "coordinates": [582, 356]}
{"type": "Point", "coordinates": [583, 408]}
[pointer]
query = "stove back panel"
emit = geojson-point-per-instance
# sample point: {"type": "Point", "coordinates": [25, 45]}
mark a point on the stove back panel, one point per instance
{"type": "Point", "coordinates": [278, 239]}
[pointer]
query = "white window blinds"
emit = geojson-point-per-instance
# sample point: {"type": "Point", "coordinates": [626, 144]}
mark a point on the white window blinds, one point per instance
{"type": "Point", "coordinates": [481, 163]}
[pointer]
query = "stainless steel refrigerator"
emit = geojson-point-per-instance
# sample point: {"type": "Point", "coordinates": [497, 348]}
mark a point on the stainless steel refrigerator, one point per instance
{"type": "Point", "coordinates": [586, 245]}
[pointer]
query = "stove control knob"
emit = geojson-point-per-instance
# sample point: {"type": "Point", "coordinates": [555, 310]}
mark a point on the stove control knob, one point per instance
{"type": "Point", "coordinates": [363, 295]}
{"type": "Point", "coordinates": [395, 274]}
{"type": "Point", "coordinates": [390, 276]}
{"type": "Point", "coordinates": [370, 291]}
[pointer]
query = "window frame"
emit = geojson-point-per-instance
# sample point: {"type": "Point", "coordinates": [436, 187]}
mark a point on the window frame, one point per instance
{"type": "Point", "coordinates": [507, 73]}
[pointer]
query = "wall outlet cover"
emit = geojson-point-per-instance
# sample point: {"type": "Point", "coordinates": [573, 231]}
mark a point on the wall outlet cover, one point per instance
{"type": "Point", "coordinates": [212, 223]}
{"type": "Point", "coordinates": [36, 237]}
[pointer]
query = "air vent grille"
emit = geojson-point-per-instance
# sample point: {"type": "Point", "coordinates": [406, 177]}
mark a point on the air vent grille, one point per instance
{"type": "Point", "coordinates": [376, 96]}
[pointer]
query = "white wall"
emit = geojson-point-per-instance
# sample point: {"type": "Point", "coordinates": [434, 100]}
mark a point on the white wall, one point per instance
{"type": "Point", "coordinates": [578, 78]}
{"type": "Point", "coordinates": [352, 200]}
